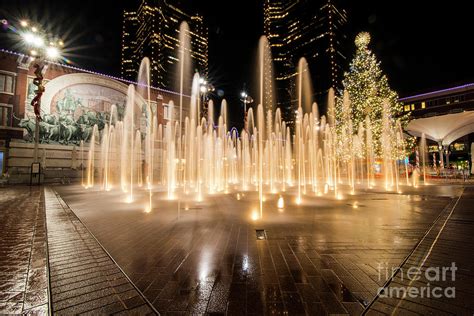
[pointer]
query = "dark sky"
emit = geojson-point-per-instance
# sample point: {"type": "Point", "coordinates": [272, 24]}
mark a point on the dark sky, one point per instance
{"type": "Point", "coordinates": [421, 46]}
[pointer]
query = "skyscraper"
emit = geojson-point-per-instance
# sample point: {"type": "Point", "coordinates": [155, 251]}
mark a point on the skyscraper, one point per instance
{"type": "Point", "coordinates": [311, 29]}
{"type": "Point", "coordinates": [129, 29]}
{"type": "Point", "coordinates": [153, 31]}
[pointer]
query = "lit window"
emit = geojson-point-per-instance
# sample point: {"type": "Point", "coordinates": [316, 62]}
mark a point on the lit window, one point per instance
{"type": "Point", "coordinates": [412, 107]}
{"type": "Point", "coordinates": [423, 105]}
{"type": "Point", "coordinates": [407, 108]}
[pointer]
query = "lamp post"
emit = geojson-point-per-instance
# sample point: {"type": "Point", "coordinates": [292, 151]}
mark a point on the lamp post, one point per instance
{"type": "Point", "coordinates": [35, 43]}
{"type": "Point", "coordinates": [205, 88]}
{"type": "Point", "coordinates": [246, 99]}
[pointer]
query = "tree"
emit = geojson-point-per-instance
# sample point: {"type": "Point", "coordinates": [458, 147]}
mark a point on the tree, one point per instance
{"type": "Point", "coordinates": [368, 90]}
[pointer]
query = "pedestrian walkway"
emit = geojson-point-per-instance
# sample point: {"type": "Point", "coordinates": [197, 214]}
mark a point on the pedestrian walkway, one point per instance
{"type": "Point", "coordinates": [444, 285]}
{"type": "Point", "coordinates": [23, 277]}
{"type": "Point", "coordinates": [84, 279]}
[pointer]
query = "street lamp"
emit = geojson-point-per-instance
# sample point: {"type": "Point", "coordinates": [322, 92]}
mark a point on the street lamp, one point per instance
{"type": "Point", "coordinates": [35, 43]}
{"type": "Point", "coordinates": [246, 99]}
{"type": "Point", "coordinates": [205, 88]}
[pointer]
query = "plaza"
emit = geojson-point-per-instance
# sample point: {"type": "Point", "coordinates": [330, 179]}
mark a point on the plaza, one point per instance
{"type": "Point", "coordinates": [258, 158]}
{"type": "Point", "coordinates": [320, 257]}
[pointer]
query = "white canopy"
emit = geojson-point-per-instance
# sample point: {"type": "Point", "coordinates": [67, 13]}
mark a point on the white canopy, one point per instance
{"type": "Point", "coordinates": [443, 129]}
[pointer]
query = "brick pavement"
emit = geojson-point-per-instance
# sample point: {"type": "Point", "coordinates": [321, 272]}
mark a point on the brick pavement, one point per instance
{"type": "Point", "coordinates": [84, 279]}
{"type": "Point", "coordinates": [450, 241]}
{"type": "Point", "coordinates": [318, 259]}
{"type": "Point", "coordinates": [23, 273]}
{"type": "Point", "coordinates": [208, 259]}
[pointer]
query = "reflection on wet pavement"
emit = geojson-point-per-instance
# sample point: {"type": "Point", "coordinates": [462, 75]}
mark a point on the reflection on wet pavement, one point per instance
{"type": "Point", "coordinates": [23, 278]}
{"type": "Point", "coordinates": [319, 257]}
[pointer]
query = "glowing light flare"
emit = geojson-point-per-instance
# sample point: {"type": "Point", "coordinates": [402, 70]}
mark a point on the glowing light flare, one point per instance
{"type": "Point", "coordinates": [245, 263]}
{"type": "Point", "coordinates": [52, 52]}
{"type": "Point", "coordinates": [255, 216]}
{"type": "Point", "coordinates": [280, 203]}
{"type": "Point", "coordinates": [33, 40]}
{"type": "Point", "coordinates": [298, 200]}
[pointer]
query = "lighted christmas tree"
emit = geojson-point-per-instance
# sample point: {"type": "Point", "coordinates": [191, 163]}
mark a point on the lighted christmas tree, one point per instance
{"type": "Point", "coordinates": [368, 90]}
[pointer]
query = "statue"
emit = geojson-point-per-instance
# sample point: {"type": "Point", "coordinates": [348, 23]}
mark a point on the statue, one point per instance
{"type": "Point", "coordinates": [38, 81]}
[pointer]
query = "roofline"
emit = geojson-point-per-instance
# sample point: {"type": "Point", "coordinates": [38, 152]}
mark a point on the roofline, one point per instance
{"type": "Point", "coordinates": [2, 50]}
{"type": "Point", "coordinates": [437, 92]}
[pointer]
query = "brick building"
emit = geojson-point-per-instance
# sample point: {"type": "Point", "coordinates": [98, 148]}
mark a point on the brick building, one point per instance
{"type": "Point", "coordinates": [68, 90]}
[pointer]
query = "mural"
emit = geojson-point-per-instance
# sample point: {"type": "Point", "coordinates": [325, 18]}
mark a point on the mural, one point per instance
{"type": "Point", "coordinates": [73, 112]}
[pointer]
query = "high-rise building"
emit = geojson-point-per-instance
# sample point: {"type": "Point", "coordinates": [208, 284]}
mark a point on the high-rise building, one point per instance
{"type": "Point", "coordinates": [153, 31]}
{"type": "Point", "coordinates": [311, 29]}
{"type": "Point", "coordinates": [129, 29]}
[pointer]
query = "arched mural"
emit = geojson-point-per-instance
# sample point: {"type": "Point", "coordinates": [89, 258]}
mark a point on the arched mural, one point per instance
{"type": "Point", "coordinates": [72, 104]}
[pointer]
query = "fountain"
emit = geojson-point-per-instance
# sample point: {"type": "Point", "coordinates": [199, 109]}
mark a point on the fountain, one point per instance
{"type": "Point", "coordinates": [198, 156]}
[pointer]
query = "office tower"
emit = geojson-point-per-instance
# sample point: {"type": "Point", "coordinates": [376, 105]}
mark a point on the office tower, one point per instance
{"type": "Point", "coordinates": [311, 29]}
{"type": "Point", "coordinates": [153, 31]}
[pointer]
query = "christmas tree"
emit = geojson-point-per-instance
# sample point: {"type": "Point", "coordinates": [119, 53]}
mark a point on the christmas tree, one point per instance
{"type": "Point", "coordinates": [370, 95]}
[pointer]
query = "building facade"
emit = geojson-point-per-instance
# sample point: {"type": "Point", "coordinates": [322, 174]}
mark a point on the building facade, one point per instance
{"type": "Point", "coordinates": [446, 118]}
{"type": "Point", "coordinates": [153, 31]}
{"type": "Point", "coordinates": [311, 29]}
{"type": "Point", "coordinates": [73, 102]}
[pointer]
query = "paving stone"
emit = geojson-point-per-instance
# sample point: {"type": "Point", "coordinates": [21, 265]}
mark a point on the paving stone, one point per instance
{"type": "Point", "coordinates": [83, 278]}
{"type": "Point", "coordinates": [23, 282]}
{"type": "Point", "coordinates": [316, 260]}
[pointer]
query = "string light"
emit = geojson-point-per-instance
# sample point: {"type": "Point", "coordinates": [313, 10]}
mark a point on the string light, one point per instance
{"type": "Point", "coordinates": [367, 88]}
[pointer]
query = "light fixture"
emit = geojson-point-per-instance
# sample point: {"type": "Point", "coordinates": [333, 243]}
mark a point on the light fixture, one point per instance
{"type": "Point", "coordinates": [52, 52]}
{"type": "Point", "coordinates": [29, 38]}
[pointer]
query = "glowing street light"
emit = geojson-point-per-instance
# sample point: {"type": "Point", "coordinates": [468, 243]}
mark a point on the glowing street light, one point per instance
{"type": "Point", "coordinates": [205, 88]}
{"type": "Point", "coordinates": [35, 42]}
{"type": "Point", "coordinates": [246, 99]}
{"type": "Point", "coordinates": [52, 52]}
{"type": "Point", "coordinates": [33, 39]}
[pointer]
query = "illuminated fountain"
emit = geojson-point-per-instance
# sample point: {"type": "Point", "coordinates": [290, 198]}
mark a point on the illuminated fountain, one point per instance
{"type": "Point", "coordinates": [196, 156]}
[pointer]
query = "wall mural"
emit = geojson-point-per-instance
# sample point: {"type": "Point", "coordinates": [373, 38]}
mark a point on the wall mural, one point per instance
{"type": "Point", "coordinates": [74, 111]}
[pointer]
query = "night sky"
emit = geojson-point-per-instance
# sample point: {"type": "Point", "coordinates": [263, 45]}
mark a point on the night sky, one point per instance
{"type": "Point", "coordinates": [421, 47]}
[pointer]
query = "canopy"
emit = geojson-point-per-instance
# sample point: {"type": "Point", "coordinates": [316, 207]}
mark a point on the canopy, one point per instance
{"type": "Point", "coordinates": [443, 129]}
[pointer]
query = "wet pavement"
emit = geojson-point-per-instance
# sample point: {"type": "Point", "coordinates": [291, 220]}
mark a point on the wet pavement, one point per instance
{"type": "Point", "coordinates": [23, 274]}
{"type": "Point", "coordinates": [321, 257]}
{"type": "Point", "coordinates": [448, 244]}
{"type": "Point", "coordinates": [83, 278]}
{"type": "Point", "coordinates": [325, 256]}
